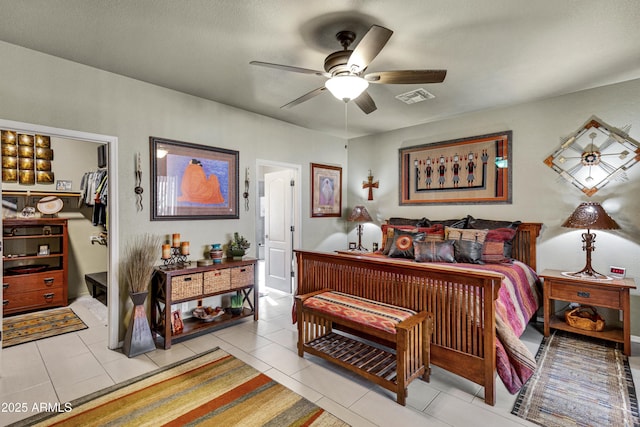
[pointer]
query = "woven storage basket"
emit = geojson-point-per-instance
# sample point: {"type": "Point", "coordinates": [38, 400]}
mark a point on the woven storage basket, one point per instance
{"type": "Point", "coordinates": [584, 317]}
{"type": "Point", "coordinates": [186, 286]}
{"type": "Point", "coordinates": [242, 277]}
{"type": "Point", "coordinates": [217, 280]}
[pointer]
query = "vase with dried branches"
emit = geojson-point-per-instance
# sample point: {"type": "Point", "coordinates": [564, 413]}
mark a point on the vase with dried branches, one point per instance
{"type": "Point", "coordinates": [136, 269]}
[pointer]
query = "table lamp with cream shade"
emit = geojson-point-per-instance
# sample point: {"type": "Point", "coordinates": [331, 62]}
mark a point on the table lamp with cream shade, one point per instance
{"type": "Point", "coordinates": [359, 214]}
{"type": "Point", "coordinates": [592, 216]}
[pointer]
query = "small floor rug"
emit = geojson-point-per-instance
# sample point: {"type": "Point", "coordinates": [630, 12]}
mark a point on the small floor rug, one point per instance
{"type": "Point", "coordinates": [213, 388]}
{"type": "Point", "coordinates": [579, 381]}
{"type": "Point", "coordinates": [41, 324]}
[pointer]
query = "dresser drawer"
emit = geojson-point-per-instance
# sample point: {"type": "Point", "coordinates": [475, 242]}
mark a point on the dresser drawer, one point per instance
{"type": "Point", "coordinates": [47, 280]}
{"type": "Point", "coordinates": [31, 300]}
{"type": "Point", "coordinates": [585, 294]}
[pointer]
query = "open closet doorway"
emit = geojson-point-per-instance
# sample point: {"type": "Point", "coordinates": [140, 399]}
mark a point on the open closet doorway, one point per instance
{"type": "Point", "coordinates": [278, 223]}
{"type": "Point", "coordinates": [112, 239]}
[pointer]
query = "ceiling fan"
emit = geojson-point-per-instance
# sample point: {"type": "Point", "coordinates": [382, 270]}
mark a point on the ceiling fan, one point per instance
{"type": "Point", "coordinates": [345, 69]}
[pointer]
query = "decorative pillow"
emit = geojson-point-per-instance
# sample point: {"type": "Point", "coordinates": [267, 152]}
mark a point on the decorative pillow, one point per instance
{"type": "Point", "coordinates": [387, 235]}
{"type": "Point", "coordinates": [402, 246]}
{"type": "Point", "coordinates": [468, 244]}
{"type": "Point", "coordinates": [434, 251]}
{"type": "Point", "coordinates": [432, 233]}
{"type": "Point", "coordinates": [497, 245]}
{"type": "Point", "coordinates": [489, 224]}
{"type": "Point", "coordinates": [465, 234]}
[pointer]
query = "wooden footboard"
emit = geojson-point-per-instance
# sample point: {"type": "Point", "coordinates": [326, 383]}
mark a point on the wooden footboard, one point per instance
{"type": "Point", "coordinates": [461, 302]}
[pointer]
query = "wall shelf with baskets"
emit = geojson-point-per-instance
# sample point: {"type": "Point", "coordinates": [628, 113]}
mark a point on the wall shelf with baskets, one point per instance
{"type": "Point", "coordinates": [177, 285]}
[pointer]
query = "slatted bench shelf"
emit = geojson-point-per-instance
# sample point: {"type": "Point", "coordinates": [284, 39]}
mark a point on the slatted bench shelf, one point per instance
{"type": "Point", "coordinates": [405, 336]}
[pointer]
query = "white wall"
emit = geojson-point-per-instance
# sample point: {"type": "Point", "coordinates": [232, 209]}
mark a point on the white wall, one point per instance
{"type": "Point", "coordinates": [45, 90]}
{"type": "Point", "coordinates": [538, 194]}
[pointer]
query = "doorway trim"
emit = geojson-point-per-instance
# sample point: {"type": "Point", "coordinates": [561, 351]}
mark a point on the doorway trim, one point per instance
{"type": "Point", "coordinates": [297, 221]}
{"type": "Point", "coordinates": [113, 243]}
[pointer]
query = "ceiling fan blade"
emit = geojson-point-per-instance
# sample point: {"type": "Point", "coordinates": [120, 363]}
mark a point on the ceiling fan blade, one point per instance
{"type": "Point", "coordinates": [290, 68]}
{"type": "Point", "coordinates": [407, 76]}
{"type": "Point", "coordinates": [368, 48]}
{"type": "Point", "coordinates": [305, 97]}
{"type": "Point", "coordinates": [365, 102]}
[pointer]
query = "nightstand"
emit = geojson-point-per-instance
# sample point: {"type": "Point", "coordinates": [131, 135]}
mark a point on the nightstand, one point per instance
{"type": "Point", "coordinates": [598, 293]}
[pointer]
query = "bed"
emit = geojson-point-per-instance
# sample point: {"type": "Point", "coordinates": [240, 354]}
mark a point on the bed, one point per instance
{"type": "Point", "coordinates": [480, 310]}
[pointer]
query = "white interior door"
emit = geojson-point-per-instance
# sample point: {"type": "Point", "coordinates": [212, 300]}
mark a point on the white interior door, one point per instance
{"type": "Point", "coordinates": [278, 242]}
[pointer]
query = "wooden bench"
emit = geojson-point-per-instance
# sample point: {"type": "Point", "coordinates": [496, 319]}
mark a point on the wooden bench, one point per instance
{"type": "Point", "coordinates": [404, 333]}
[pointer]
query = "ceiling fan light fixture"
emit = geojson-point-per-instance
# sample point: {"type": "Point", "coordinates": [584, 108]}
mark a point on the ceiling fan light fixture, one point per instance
{"type": "Point", "coordinates": [346, 87]}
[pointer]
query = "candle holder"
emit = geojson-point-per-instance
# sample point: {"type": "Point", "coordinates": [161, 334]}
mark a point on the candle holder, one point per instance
{"type": "Point", "coordinates": [176, 258]}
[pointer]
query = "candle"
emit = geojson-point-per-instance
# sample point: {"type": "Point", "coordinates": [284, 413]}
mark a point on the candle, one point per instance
{"type": "Point", "coordinates": [246, 177]}
{"type": "Point", "coordinates": [184, 248]}
{"type": "Point", "coordinates": [176, 240]}
{"type": "Point", "coordinates": [166, 251]}
{"type": "Point", "coordinates": [138, 163]}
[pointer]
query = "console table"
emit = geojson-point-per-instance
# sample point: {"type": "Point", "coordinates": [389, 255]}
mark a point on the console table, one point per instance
{"type": "Point", "coordinates": [175, 285]}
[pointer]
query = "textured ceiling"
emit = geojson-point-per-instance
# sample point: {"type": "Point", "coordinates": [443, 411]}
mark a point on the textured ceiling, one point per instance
{"type": "Point", "coordinates": [497, 52]}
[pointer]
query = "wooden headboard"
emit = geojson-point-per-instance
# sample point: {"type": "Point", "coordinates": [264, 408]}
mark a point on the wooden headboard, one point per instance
{"type": "Point", "coordinates": [524, 244]}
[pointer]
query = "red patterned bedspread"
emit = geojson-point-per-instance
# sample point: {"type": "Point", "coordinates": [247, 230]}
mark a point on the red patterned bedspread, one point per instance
{"type": "Point", "coordinates": [518, 300]}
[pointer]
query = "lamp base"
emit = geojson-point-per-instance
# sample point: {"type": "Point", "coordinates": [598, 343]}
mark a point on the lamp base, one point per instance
{"type": "Point", "coordinates": [587, 275]}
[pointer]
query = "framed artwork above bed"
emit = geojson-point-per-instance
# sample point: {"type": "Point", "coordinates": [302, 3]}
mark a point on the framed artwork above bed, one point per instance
{"type": "Point", "coordinates": [469, 170]}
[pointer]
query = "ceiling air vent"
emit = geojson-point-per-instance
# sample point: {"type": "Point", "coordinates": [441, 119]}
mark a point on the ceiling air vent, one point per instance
{"type": "Point", "coordinates": [414, 96]}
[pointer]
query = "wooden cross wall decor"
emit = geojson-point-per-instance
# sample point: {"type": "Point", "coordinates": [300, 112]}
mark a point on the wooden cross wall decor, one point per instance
{"type": "Point", "coordinates": [370, 185]}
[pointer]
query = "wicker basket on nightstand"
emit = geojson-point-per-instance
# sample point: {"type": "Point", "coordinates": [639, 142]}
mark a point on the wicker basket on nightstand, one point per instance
{"type": "Point", "coordinates": [585, 317]}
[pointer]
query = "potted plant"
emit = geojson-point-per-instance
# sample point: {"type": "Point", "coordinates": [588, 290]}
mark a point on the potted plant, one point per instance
{"type": "Point", "coordinates": [237, 246]}
{"type": "Point", "coordinates": [136, 269]}
{"type": "Point", "coordinates": [236, 304]}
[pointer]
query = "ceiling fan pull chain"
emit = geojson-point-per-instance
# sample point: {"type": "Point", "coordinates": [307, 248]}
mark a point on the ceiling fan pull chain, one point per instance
{"type": "Point", "coordinates": [346, 132]}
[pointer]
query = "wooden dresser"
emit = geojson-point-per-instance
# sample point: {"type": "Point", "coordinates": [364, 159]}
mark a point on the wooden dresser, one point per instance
{"type": "Point", "coordinates": [182, 284]}
{"type": "Point", "coordinates": [35, 264]}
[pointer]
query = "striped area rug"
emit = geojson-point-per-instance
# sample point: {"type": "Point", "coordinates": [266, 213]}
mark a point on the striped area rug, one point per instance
{"type": "Point", "coordinates": [580, 381]}
{"type": "Point", "coordinates": [213, 389]}
{"type": "Point", "coordinates": [41, 324]}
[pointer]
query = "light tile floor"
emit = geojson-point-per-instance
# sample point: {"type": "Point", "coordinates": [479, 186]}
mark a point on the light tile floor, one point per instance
{"type": "Point", "coordinates": [65, 367]}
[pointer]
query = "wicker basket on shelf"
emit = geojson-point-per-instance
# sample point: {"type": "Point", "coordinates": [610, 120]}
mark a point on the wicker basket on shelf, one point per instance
{"type": "Point", "coordinates": [585, 317]}
{"type": "Point", "coordinates": [186, 286]}
{"type": "Point", "coordinates": [242, 277]}
{"type": "Point", "coordinates": [217, 281]}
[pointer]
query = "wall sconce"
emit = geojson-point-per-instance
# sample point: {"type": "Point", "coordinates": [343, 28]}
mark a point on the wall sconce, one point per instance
{"type": "Point", "coordinates": [246, 189]}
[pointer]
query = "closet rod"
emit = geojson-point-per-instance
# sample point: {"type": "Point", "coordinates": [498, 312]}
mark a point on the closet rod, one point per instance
{"type": "Point", "coordinates": [29, 193]}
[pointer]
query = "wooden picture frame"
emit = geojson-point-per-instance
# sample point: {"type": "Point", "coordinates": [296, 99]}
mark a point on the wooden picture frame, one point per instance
{"type": "Point", "coordinates": [177, 324]}
{"type": "Point", "coordinates": [326, 191]}
{"type": "Point", "coordinates": [473, 170]}
{"type": "Point", "coordinates": [191, 181]}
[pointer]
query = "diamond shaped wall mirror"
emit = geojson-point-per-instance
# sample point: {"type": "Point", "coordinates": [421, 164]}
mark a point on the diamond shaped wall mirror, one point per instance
{"type": "Point", "coordinates": [594, 155]}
